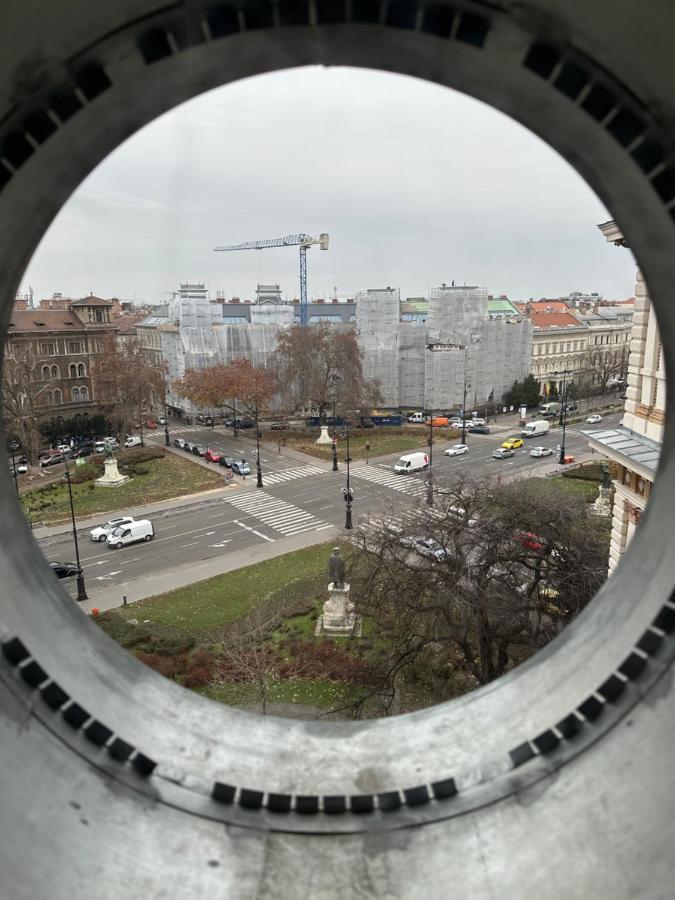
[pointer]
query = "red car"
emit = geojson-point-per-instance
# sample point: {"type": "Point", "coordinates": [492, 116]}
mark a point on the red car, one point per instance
{"type": "Point", "coordinates": [212, 456]}
{"type": "Point", "coordinates": [530, 541]}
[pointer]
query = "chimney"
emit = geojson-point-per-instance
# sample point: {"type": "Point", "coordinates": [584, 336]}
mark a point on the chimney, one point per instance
{"type": "Point", "coordinates": [335, 300]}
{"type": "Point", "coordinates": [235, 300]}
{"type": "Point", "coordinates": [319, 301]}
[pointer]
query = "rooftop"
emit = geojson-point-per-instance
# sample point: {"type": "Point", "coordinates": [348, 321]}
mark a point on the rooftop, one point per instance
{"type": "Point", "coordinates": [554, 320]}
{"type": "Point", "coordinates": [44, 320]}
{"type": "Point", "coordinates": [628, 447]}
{"type": "Point", "coordinates": [91, 300]}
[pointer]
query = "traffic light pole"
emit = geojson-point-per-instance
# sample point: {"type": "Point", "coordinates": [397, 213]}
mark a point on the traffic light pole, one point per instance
{"type": "Point", "coordinates": [348, 491]}
{"type": "Point", "coordinates": [81, 590]}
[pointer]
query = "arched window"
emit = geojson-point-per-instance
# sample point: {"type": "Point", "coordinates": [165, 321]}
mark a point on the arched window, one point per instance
{"type": "Point", "coordinates": [49, 398]}
{"type": "Point", "coordinates": [57, 396]}
{"type": "Point", "coordinates": [72, 369]}
{"type": "Point", "coordinates": [45, 373]}
{"type": "Point", "coordinates": [55, 372]}
{"type": "Point", "coordinates": [84, 393]}
{"type": "Point", "coordinates": [75, 393]}
{"type": "Point", "coordinates": [81, 371]}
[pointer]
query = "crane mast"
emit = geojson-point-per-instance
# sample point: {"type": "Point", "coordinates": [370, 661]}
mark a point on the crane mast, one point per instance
{"type": "Point", "coordinates": [304, 241]}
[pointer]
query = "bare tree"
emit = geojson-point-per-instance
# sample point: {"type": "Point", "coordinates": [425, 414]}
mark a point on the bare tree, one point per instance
{"type": "Point", "coordinates": [312, 359]}
{"type": "Point", "coordinates": [604, 364]}
{"type": "Point", "coordinates": [126, 383]}
{"type": "Point", "coordinates": [247, 656]}
{"type": "Point", "coordinates": [490, 577]}
{"type": "Point", "coordinates": [22, 394]}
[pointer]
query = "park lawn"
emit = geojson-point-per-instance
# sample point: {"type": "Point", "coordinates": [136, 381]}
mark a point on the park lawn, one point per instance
{"type": "Point", "coordinates": [381, 441]}
{"type": "Point", "coordinates": [157, 479]}
{"type": "Point", "coordinates": [225, 598]}
{"type": "Point", "coordinates": [308, 692]}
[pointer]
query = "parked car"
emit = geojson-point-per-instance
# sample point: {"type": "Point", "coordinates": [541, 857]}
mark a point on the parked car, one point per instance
{"type": "Point", "coordinates": [430, 548]}
{"type": "Point", "coordinates": [457, 450]}
{"type": "Point", "coordinates": [278, 426]}
{"type": "Point", "coordinates": [161, 420]}
{"type": "Point", "coordinates": [151, 423]}
{"type": "Point", "coordinates": [99, 446]}
{"type": "Point", "coordinates": [212, 456]}
{"type": "Point", "coordinates": [19, 469]}
{"type": "Point", "coordinates": [132, 441]}
{"type": "Point", "coordinates": [199, 449]}
{"type": "Point", "coordinates": [240, 467]}
{"type": "Point", "coordinates": [246, 423]}
{"type": "Point", "coordinates": [81, 452]}
{"type": "Point", "coordinates": [478, 429]}
{"type": "Point", "coordinates": [179, 442]}
{"type": "Point", "coordinates": [140, 530]}
{"type": "Point", "coordinates": [63, 570]}
{"type": "Point", "coordinates": [101, 532]}
{"type": "Point", "coordinates": [187, 446]}
{"type": "Point", "coordinates": [512, 443]}
{"type": "Point", "coordinates": [226, 462]}
{"type": "Point", "coordinates": [593, 420]}
{"type": "Point", "coordinates": [541, 451]}
{"type": "Point", "coordinates": [51, 460]}
{"type": "Point", "coordinates": [63, 448]}
{"type": "Point", "coordinates": [501, 453]}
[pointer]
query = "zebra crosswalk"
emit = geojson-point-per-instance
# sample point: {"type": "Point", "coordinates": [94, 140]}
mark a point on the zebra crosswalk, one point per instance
{"type": "Point", "coordinates": [290, 474]}
{"type": "Point", "coordinates": [277, 514]}
{"type": "Point", "coordinates": [385, 477]}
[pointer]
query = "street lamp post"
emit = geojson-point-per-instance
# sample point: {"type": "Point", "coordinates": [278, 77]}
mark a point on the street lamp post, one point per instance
{"type": "Point", "coordinates": [562, 421]}
{"type": "Point", "coordinates": [11, 449]}
{"type": "Point", "coordinates": [430, 474]}
{"type": "Point", "coordinates": [335, 461]}
{"type": "Point", "coordinates": [167, 439]}
{"type": "Point", "coordinates": [348, 491]}
{"type": "Point", "coordinates": [464, 403]}
{"type": "Point", "coordinates": [81, 590]}
{"type": "Point", "coordinates": [259, 481]}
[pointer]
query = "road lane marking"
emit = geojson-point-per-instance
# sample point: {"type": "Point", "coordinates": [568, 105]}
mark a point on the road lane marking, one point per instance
{"type": "Point", "coordinates": [253, 531]}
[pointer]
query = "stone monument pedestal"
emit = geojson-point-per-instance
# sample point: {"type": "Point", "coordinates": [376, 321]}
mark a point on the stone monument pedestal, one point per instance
{"type": "Point", "coordinates": [602, 506]}
{"type": "Point", "coordinates": [111, 477]}
{"type": "Point", "coordinates": [338, 616]}
{"type": "Point", "coordinates": [324, 437]}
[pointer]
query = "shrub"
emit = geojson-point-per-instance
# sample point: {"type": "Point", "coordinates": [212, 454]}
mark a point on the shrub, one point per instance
{"type": "Point", "coordinates": [199, 670]}
{"type": "Point", "coordinates": [168, 666]}
{"type": "Point", "coordinates": [140, 455]}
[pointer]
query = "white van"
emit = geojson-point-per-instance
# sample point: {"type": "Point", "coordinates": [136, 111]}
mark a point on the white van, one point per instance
{"type": "Point", "coordinates": [412, 462]}
{"type": "Point", "coordinates": [141, 530]}
{"type": "Point", "coordinates": [540, 426]}
{"type": "Point", "coordinates": [416, 418]}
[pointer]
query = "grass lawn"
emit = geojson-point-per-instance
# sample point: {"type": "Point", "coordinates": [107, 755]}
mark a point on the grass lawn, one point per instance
{"type": "Point", "coordinates": [217, 601]}
{"type": "Point", "coordinates": [380, 440]}
{"type": "Point", "coordinates": [154, 479]}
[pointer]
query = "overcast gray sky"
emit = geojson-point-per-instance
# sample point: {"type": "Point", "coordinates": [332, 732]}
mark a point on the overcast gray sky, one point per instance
{"type": "Point", "coordinates": [415, 184]}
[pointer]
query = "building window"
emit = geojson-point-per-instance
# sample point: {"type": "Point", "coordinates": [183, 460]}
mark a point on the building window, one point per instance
{"type": "Point", "coordinates": [45, 373]}
{"type": "Point", "coordinates": [55, 372]}
{"type": "Point", "coordinates": [81, 371]}
{"type": "Point", "coordinates": [72, 370]}
{"type": "Point", "coordinates": [57, 396]}
{"type": "Point", "coordinates": [99, 315]}
{"type": "Point", "coordinates": [48, 349]}
{"type": "Point", "coordinates": [74, 346]}
{"type": "Point", "coordinates": [49, 398]}
{"type": "Point", "coordinates": [626, 477]}
{"type": "Point", "coordinates": [75, 393]}
{"type": "Point", "coordinates": [84, 393]}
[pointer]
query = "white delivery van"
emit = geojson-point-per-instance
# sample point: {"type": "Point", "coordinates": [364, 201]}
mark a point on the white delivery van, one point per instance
{"type": "Point", "coordinates": [141, 530]}
{"type": "Point", "coordinates": [540, 426]}
{"type": "Point", "coordinates": [412, 462]}
{"type": "Point", "coordinates": [416, 418]}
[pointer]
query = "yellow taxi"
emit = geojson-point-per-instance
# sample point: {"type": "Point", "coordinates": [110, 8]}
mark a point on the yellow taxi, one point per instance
{"type": "Point", "coordinates": [512, 443]}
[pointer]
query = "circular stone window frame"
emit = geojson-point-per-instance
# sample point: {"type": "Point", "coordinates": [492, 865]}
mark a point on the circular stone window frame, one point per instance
{"type": "Point", "coordinates": [266, 773]}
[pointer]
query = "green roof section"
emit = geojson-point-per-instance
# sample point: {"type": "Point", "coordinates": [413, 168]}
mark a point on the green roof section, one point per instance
{"type": "Point", "coordinates": [501, 305]}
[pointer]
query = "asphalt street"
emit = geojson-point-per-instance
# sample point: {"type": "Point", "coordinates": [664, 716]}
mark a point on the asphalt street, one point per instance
{"type": "Point", "coordinates": [301, 503]}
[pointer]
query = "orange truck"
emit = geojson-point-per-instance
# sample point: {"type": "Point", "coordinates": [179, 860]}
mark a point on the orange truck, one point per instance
{"type": "Point", "coordinates": [439, 421]}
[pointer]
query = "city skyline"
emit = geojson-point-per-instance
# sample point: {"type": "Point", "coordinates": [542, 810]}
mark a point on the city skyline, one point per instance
{"type": "Point", "coordinates": [362, 155]}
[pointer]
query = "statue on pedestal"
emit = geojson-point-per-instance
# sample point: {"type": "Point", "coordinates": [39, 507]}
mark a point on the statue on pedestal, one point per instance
{"type": "Point", "coordinates": [336, 568]}
{"type": "Point", "coordinates": [338, 616]}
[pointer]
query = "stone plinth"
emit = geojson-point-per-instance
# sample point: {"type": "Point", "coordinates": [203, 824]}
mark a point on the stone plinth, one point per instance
{"type": "Point", "coordinates": [603, 506]}
{"type": "Point", "coordinates": [111, 477]}
{"type": "Point", "coordinates": [324, 437]}
{"type": "Point", "coordinates": [338, 616]}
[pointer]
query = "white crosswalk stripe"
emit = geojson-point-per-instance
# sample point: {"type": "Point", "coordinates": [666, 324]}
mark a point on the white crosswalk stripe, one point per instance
{"type": "Point", "coordinates": [290, 474]}
{"type": "Point", "coordinates": [277, 514]}
{"type": "Point", "coordinates": [403, 483]}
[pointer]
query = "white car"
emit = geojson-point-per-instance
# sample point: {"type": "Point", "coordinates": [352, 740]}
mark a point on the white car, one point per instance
{"type": "Point", "coordinates": [593, 420]}
{"type": "Point", "coordinates": [101, 532]}
{"type": "Point", "coordinates": [132, 441]}
{"type": "Point", "coordinates": [20, 468]}
{"type": "Point", "coordinates": [541, 451]}
{"type": "Point", "coordinates": [457, 450]}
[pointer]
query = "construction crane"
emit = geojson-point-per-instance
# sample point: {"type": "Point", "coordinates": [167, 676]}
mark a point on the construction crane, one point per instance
{"type": "Point", "coordinates": [304, 241]}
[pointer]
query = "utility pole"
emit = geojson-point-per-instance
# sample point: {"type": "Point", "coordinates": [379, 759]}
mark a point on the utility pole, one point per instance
{"type": "Point", "coordinates": [430, 474]}
{"type": "Point", "coordinates": [347, 492]}
{"type": "Point", "coordinates": [167, 439]}
{"type": "Point", "coordinates": [464, 403]}
{"type": "Point", "coordinates": [259, 481]}
{"type": "Point", "coordinates": [562, 421]}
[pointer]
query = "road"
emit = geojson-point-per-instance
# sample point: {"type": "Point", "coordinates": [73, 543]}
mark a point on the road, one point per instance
{"type": "Point", "coordinates": [299, 500]}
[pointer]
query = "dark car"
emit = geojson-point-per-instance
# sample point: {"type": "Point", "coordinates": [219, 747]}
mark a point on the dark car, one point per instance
{"type": "Point", "coordinates": [245, 423]}
{"type": "Point", "coordinates": [52, 460]}
{"type": "Point", "coordinates": [198, 450]}
{"type": "Point", "coordinates": [226, 462]}
{"type": "Point", "coordinates": [479, 429]}
{"type": "Point", "coordinates": [81, 452]}
{"type": "Point", "coordinates": [278, 426]}
{"type": "Point", "coordinates": [187, 446]}
{"type": "Point", "coordinates": [63, 570]}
